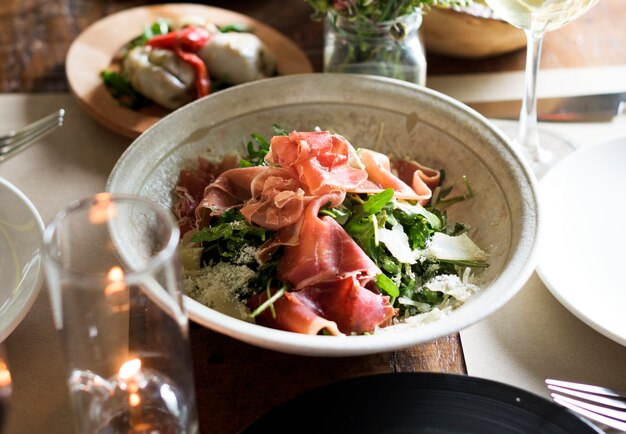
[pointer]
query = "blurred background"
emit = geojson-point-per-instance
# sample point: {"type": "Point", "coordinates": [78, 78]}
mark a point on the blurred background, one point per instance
{"type": "Point", "coordinates": [37, 33]}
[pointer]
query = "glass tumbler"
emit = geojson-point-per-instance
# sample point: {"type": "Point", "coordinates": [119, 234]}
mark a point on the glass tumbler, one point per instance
{"type": "Point", "coordinates": [114, 282]}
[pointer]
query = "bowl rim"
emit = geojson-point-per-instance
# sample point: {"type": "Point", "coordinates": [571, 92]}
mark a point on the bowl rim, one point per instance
{"type": "Point", "coordinates": [520, 265]}
{"type": "Point", "coordinates": [25, 299]}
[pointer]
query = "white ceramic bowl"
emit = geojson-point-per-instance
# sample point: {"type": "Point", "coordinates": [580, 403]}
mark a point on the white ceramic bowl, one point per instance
{"type": "Point", "coordinates": [416, 122]}
{"type": "Point", "coordinates": [21, 230]}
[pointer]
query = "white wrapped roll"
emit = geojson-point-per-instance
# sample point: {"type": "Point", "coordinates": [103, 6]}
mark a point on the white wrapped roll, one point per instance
{"type": "Point", "coordinates": [238, 57]}
{"type": "Point", "coordinates": [161, 76]}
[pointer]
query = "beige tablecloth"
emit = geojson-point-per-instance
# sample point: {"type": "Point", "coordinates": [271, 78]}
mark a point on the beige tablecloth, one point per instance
{"type": "Point", "coordinates": [71, 163]}
{"type": "Point", "coordinates": [534, 337]}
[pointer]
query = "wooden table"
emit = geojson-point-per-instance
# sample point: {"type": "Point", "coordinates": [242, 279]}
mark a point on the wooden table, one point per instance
{"type": "Point", "coordinates": [236, 382]}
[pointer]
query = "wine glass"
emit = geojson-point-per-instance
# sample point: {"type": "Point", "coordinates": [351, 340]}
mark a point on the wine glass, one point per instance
{"type": "Point", "coordinates": [536, 17]}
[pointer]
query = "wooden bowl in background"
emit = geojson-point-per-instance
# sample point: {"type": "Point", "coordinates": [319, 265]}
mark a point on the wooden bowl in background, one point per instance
{"type": "Point", "coordinates": [471, 32]}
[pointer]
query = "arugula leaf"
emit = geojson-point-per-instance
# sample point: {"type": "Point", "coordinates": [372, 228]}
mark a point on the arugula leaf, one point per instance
{"type": "Point", "coordinates": [443, 201]}
{"type": "Point", "coordinates": [418, 224]}
{"type": "Point", "coordinates": [227, 237]}
{"type": "Point", "coordinates": [269, 303]}
{"type": "Point", "coordinates": [159, 27]}
{"type": "Point", "coordinates": [123, 91]}
{"type": "Point", "coordinates": [340, 214]}
{"type": "Point", "coordinates": [229, 230]}
{"type": "Point", "coordinates": [266, 275]}
{"type": "Point", "coordinates": [431, 297]}
{"type": "Point", "coordinates": [235, 27]}
{"type": "Point", "coordinates": [259, 147]}
{"type": "Point", "coordinates": [376, 202]}
{"type": "Point", "coordinates": [279, 131]}
{"type": "Point", "coordinates": [411, 212]}
{"type": "Point", "coordinates": [372, 205]}
{"type": "Point", "coordinates": [474, 263]}
{"type": "Point", "coordinates": [387, 285]}
{"type": "Point", "coordinates": [257, 150]}
{"type": "Point", "coordinates": [362, 226]}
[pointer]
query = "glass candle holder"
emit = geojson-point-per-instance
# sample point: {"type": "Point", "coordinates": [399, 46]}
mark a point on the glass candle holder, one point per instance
{"type": "Point", "coordinates": [390, 49]}
{"type": "Point", "coordinates": [114, 282]}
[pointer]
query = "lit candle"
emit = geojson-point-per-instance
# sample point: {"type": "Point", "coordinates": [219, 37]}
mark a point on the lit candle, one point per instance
{"type": "Point", "coordinates": [5, 380]}
{"type": "Point", "coordinates": [103, 210]}
{"type": "Point", "coordinates": [115, 281]}
{"type": "Point", "coordinates": [130, 376]}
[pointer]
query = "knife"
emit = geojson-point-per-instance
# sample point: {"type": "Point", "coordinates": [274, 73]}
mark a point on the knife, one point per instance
{"type": "Point", "coordinates": [585, 108]}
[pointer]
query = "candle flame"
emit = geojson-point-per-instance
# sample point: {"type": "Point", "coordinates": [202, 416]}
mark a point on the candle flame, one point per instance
{"type": "Point", "coordinates": [103, 210]}
{"type": "Point", "coordinates": [130, 369]}
{"type": "Point", "coordinates": [5, 375]}
{"type": "Point", "coordinates": [134, 399]}
{"type": "Point", "coordinates": [115, 281]}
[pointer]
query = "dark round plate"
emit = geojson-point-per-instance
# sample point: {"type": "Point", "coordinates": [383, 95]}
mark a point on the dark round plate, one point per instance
{"type": "Point", "coordinates": [420, 403]}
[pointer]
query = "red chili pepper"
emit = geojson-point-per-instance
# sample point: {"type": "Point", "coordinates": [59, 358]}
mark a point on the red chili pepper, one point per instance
{"type": "Point", "coordinates": [189, 39]}
{"type": "Point", "coordinates": [203, 82]}
{"type": "Point", "coordinates": [185, 43]}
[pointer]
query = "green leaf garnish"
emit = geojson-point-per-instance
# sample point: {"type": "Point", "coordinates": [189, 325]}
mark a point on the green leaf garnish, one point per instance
{"type": "Point", "coordinates": [123, 91]}
{"type": "Point", "coordinates": [387, 285]}
{"type": "Point", "coordinates": [279, 131]}
{"type": "Point", "coordinates": [269, 302]}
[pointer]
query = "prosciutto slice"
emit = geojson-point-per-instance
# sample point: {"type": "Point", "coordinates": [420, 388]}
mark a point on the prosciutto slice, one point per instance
{"type": "Point", "coordinates": [325, 251]}
{"type": "Point", "coordinates": [328, 272]}
{"type": "Point", "coordinates": [294, 313]}
{"type": "Point", "coordinates": [190, 191]}
{"type": "Point", "coordinates": [230, 189]}
{"type": "Point", "coordinates": [341, 307]}
{"type": "Point", "coordinates": [352, 307]}
{"type": "Point", "coordinates": [191, 185]}
{"type": "Point", "coordinates": [378, 168]}
{"type": "Point", "coordinates": [321, 159]}
{"type": "Point", "coordinates": [409, 170]}
{"type": "Point", "coordinates": [278, 199]}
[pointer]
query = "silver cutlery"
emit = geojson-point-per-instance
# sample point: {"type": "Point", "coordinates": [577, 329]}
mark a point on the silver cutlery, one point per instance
{"type": "Point", "coordinates": [597, 403]}
{"type": "Point", "coordinates": [583, 108]}
{"type": "Point", "coordinates": [15, 141]}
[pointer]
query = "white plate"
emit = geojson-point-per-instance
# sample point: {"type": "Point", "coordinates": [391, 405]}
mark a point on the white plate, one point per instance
{"type": "Point", "coordinates": [21, 229]}
{"type": "Point", "coordinates": [581, 257]}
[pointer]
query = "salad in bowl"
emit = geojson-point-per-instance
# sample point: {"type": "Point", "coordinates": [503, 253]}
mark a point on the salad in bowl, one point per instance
{"type": "Point", "coordinates": [313, 236]}
{"type": "Point", "coordinates": [381, 215]}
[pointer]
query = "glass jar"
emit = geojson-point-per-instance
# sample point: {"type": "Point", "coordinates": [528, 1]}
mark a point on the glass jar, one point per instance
{"type": "Point", "coordinates": [391, 48]}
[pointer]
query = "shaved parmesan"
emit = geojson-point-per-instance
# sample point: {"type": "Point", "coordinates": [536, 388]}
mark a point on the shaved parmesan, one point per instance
{"type": "Point", "coordinates": [218, 286]}
{"type": "Point", "coordinates": [452, 285]}
{"type": "Point", "coordinates": [459, 248]}
{"type": "Point", "coordinates": [397, 242]}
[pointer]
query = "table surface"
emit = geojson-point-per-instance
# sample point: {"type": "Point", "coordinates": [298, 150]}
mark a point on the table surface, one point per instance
{"type": "Point", "coordinates": [236, 382]}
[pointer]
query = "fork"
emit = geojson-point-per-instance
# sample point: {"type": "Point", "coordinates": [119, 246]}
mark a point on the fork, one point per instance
{"type": "Point", "coordinates": [597, 403]}
{"type": "Point", "coordinates": [15, 141]}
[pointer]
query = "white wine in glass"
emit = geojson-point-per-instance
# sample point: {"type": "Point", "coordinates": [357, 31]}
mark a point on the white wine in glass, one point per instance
{"type": "Point", "coordinates": [536, 17]}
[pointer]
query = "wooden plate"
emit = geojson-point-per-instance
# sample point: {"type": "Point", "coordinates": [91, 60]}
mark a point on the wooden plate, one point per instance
{"type": "Point", "coordinates": [95, 47]}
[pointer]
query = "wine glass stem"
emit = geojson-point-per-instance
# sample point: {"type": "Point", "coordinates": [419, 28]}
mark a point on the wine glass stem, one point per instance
{"type": "Point", "coordinates": [528, 135]}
